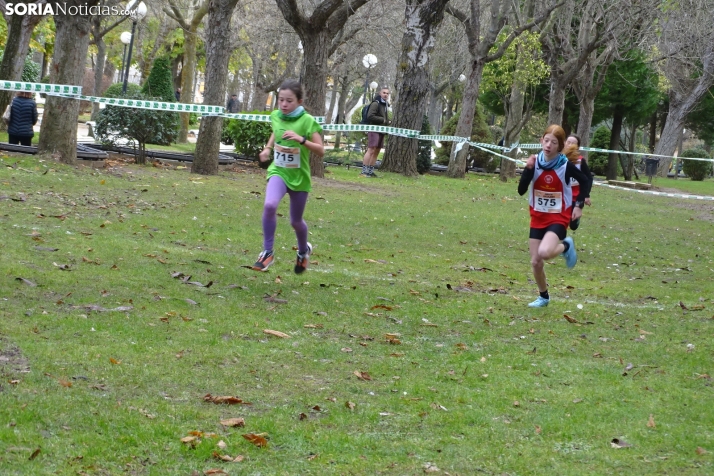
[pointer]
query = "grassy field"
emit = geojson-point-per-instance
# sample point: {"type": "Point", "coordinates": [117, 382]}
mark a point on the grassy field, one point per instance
{"type": "Point", "coordinates": [411, 348]}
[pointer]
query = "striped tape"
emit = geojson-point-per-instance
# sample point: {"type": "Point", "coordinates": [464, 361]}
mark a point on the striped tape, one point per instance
{"type": "Point", "coordinates": [75, 92]}
{"type": "Point", "coordinates": [661, 194]}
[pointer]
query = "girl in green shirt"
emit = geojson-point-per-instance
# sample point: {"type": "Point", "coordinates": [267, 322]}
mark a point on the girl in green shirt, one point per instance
{"type": "Point", "coordinates": [295, 134]}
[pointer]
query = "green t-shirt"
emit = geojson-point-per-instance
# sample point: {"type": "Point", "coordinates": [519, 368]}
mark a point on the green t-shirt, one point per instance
{"type": "Point", "coordinates": [284, 154]}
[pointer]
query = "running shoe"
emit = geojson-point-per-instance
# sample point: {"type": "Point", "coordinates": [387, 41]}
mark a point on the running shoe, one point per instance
{"type": "Point", "coordinates": [372, 175]}
{"type": "Point", "coordinates": [540, 302]}
{"type": "Point", "coordinates": [571, 256]}
{"type": "Point", "coordinates": [574, 224]}
{"type": "Point", "coordinates": [303, 260]}
{"type": "Point", "coordinates": [265, 259]}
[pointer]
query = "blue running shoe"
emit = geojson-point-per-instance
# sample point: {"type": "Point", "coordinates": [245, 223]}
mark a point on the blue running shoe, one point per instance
{"type": "Point", "coordinates": [571, 256]}
{"type": "Point", "coordinates": [540, 302]}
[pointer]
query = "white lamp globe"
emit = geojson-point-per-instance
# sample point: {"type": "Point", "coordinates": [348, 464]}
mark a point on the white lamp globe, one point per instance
{"type": "Point", "coordinates": [136, 12]}
{"type": "Point", "coordinates": [369, 60]}
{"type": "Point", "coordinates": [125, 37]}
{"type": "Point", "coordinates": [373, 85]}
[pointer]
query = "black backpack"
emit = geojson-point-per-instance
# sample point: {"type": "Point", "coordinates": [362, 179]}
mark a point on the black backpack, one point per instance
{"type": "Point", "coordinates": [365, 112]}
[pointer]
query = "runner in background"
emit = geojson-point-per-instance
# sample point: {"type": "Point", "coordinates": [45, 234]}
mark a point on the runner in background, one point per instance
{"type": "Point", "coordinates": [582, 164]}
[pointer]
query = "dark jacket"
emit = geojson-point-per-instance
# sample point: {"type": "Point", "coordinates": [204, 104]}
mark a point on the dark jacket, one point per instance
{"type": "Point", "coordinates": [377, 113]}
{"type": "Point", "coordinates": [233, 105]}
{"type": "Point", "coordinates": [23, 116]}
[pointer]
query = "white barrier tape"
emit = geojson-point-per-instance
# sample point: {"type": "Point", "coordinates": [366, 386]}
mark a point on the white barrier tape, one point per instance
{"type": "Point", "coordinates": [74, 92]}
{"type": "Point", "coordinates": [624, 152]}
{"type": "Point", "coordinates": [661, 194]}
{"type": "Point", "coordinates": [39, 87]}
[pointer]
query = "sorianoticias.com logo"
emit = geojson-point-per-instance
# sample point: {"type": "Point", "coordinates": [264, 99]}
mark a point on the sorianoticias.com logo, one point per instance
{"type": "Point", "coordinates": [60, 8]}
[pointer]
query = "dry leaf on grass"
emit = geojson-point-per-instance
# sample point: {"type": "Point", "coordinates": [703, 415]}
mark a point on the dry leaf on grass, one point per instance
{"type": "Point", "coordinates": [362, 375]}
{"type": "Point", "coordinates": [618, 443]}
{"type": "Point", "coordinates": [350, 405]}
{"type": "Point", "coordinates": [651, 423]}
{"type": "Point", "coordinates": [34, 454]}
{"type": "Point", "coordinates": [189, 440]}
{"type": "Point", "coordinates": [27, 281]}
{"type": "Point", "coordinates": [114, 361]}
{"type": "Point", "coordinates": [211, 472]}
{"type": "Point", "coordinates": [701, 451]}
{"type": "Point", "coordinates": [257, 440]}
{"type": "Point", "coordinates": [570, 319]}
{"type": "Point", "coordinates": [276, 333]}
{"type": "Point", "coordinates": [228, 400]}
{"type": "Point", "coordinates": [538, 430]}
{"type": "Point", "coordinates": [233, 422]}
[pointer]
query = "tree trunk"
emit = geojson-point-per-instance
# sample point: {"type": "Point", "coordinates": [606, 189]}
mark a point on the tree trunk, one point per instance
{"type": "Point", "coordinates": [58, 133]}
{"type": "Point", "coordinates": [614, 145]}
{"type": "Point", "coordinates": [422, 18]}
{"type": "Point", "coordinates": [340, 119]}
{"type": "Point", "coordinates": [653, 131]}
{"type": "Point", "coordinates": [556, 102]}
{"type": "Point", "coordinates": [218, 53]}
{"type": "Point", "coordinates": [99, 72]}
{"type": "Point", "coordinates": [512, 131]}
{"type": "Point", "coordinates": [187, 73]}
{"type": "Point", "coordinates": [587, 109]}
{"type": "Point", "coordinates": [457, 160]}
{"type": "Point", "coordinates": [316, 48]}
{"type": "Point", "coordinates": [435, 111]}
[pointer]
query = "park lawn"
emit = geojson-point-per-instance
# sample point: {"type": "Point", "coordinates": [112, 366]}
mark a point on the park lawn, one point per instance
{"type": "Point", "coordinates": [187, 148]}
{"type": "Point", "coordinates": [4, 138]}
{"type": "Point", "coordinates": [411, 345]}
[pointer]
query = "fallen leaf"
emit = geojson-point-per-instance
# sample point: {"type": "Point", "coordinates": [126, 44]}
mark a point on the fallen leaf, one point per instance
{"type": "Point", "coordinates": [312, 456]}
{"type": "Point", "coordinates": [683, 306]}
{"type": "Point", "coordinates": [34, 454]}
{"type": "Point", "coordinates": [302, 416]}
{"type": "Point", "coordinates": [618, 443]}
{"type": "Point", "coordinates": [238, 459]}
{"type": "Point", "coordinates": [651, 423]}
{"type": "Point", "coordinates": [233, 422]}
{"type": "Point", "coordinates": [346, 349]}
{"type": "Point", "coordinates": [222, 445]}
{"type": "Point", "coordinates": [701, 451]}
{"type": "Point", "coordinates": [26, 281]}
{"type": "Point", "coordinates": [431, 468]}
{"type": "Point", "coordinates": [538, 430]}
{"type": "Point", "coordinates": [362, 375]}
{"type": "Point", "coordinates": [189, 440]}
{"type": "Point", "coordinates": [211, 472]}
{"type": "Point", "coordinates": [570, 319]}
{"type": "Point", "coordinates": [114, 361]}
{"type": "Point", "coordinates": [257, 440]}
{"type": "Point", "coordinates": [350, 405]}
{"type": "Point", "coordinates": [228, 400]}
{"type": "Point", "coordinates": [65, 383]}
{"type": "Point", "coordinates": [382, 306]}
{"type": "Point", "coordinates": [276, 333]}
{"type": "Point", "coordinates": [313, 326]}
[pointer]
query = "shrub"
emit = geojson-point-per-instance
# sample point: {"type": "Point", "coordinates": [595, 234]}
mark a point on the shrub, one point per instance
{"type": "Point", "coordinates": [597, 161]}
{"type": "Point", "coordinates": [480, 132]}
{"type": "Point", "coordinates": [159, 84]}
{"type": "Point", "coordinates": [114, 91]}
{"type": "Point", "coordinates": [139, 126]}
{"type": "Point", "coordinates": [424, 156]}
{"type": "Point", "coordinates": [249, 137]}
{"type": "Point", "coordinates": [696, 170]}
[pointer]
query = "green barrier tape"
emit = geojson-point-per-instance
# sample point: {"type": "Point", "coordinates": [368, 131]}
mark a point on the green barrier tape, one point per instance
{"type": "Point", "coordinates": [518, 162]}
{"type": "Point", "coordinates": [40, 87]}
{"type": "Point", "coordinates": [74, 92]}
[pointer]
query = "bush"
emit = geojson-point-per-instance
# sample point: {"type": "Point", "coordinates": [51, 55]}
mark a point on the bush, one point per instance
{"type": "Point", "coordinates": [159, 84]}
{"type": "Point", "coordinates": [424, 156]}
{"type": "Point", "coordinates": [597, 161]}
{"type": "Point", "coordinates": [139, 126]}
{"type": "Point", "coordinates": [480, 132]}
{"type": "Point", "coordinates": [114, 91]}
{"type": "Point", "coordinates": [249, 137]}
{"type": "Point", "coordinates": [696, 170]}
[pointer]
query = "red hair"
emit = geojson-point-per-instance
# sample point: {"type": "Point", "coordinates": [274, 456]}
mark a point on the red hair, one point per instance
{"type": "Point", "coordinates": [571, 151]}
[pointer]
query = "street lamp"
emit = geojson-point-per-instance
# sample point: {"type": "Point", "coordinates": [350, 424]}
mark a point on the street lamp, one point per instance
{"type": "Point", "coordinates": [125, 38]}
{"type": "Point", "coordinates": [137, 12]}
{"type": "Point", "coordinates": [373, 86]}
{"type": "Point", "coordinates": [369, 61]}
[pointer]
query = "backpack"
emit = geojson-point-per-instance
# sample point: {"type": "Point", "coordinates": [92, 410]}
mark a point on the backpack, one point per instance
{"type": "Point", "coordinates": [365, 112]}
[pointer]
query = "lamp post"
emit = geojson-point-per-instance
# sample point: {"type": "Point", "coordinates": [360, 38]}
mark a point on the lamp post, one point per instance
{"type": "Point", "coordinates": [373, 87]}
{"type": "Point", "coordinates": [369, 61]}
{"type": "Point", "coordinates": [125, 38]}
{"type": "Point", "coordinates": [137, 12]}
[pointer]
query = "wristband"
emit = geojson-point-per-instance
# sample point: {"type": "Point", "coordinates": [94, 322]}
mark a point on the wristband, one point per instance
{"type": "Point", "coordinates": [579, 204]}
{"type": "Point", "coordinates": [304, 139]}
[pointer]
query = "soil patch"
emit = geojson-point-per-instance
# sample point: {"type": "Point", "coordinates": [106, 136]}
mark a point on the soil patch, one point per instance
{"type": "Point", "coordinates": [11, 359]}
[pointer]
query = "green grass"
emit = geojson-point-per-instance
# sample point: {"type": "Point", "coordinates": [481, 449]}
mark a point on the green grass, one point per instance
{"type": "Point", "coordinates": [477, 384]}
{"type": "Point", "coordinates": [4, 138]}
{"type": "Point", "coordinates": [187, 148]}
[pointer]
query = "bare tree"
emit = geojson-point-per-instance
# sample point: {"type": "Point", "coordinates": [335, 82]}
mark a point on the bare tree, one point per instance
{"type": "Point", "coordinates": [481, 41]}
{"type": "Point", "coordinates": [220, 13]}
{"type": "Point", "coordinates": [687, 39]}
{"type": "Point", "coordinates": [99, 30]}
{"type": "Point", "coordinates": [189, 24]}
{"type": "Point", "coordinates": [58, 133]}
{"type": "Point", "coordinates": [422, 18]}
{"type": "Point", "coordinates": [317, 32]}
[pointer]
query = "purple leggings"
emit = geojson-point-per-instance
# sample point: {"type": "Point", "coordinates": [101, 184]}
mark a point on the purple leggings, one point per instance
{"type": "Point", "coordinates": [274, 193]}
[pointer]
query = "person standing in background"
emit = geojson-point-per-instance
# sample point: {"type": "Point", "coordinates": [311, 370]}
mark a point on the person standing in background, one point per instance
{"type": "Point", "coordinates": [233, 105]}
{"type": "Point", "coordinates": [377, 115]}
{"type": "Point", "coordinates": [23, 115]}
